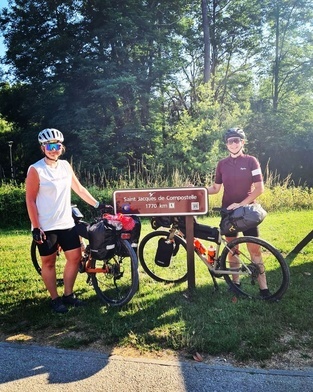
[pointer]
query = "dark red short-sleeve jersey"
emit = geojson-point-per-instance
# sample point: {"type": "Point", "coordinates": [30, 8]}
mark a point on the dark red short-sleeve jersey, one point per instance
{"type": "Point", "coordinates": [237, 176]}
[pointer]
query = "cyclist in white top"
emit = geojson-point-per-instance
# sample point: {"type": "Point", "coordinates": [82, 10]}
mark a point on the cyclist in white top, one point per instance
{"type": "Point", "coordinates": [48, 198]}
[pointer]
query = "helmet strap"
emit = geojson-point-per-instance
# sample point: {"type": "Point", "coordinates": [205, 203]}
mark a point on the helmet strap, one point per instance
{"type": "Point", "coordinates": [51, 159]}
{"type": "Point", "coordinates": [236, 153]}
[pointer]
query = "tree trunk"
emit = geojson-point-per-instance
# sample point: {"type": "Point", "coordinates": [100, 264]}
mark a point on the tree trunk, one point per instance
{"type": "Point", "coordinates": [276, 64]}
{"type": "Point", "coordinates": [207, 43]}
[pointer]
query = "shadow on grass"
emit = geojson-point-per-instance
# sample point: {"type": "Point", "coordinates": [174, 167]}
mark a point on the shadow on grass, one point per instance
{"type": "Point", "coordinates": [163, 317]}
{"type": "Point", "coordinates": [297, 249]}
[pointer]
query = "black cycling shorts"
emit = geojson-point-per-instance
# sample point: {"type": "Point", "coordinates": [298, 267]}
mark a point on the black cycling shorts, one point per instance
{"type": "Point", "coordinates": [254, 232]}
{"type": "Point", "coordinates": [68, 239]}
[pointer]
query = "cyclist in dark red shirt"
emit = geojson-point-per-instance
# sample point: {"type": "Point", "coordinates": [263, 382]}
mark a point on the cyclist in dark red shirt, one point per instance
{"type": "Point", "coordinates": [242, 179]}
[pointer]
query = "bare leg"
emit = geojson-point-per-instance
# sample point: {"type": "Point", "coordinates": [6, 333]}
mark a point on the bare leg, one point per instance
{"type": "Point", "coordinates": [73, 257]}
{"type": "Point", "coordinates": [49, 275]}
{"type": "Point", "coordinates": [256, 257]}
{"type": "Point", "coordinates": [233, 260]}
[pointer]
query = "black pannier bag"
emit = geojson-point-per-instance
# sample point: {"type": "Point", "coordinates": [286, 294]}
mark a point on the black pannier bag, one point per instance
{"type": "Point", "coordinates": [241, 219]}
{"type": "Point", "coordinates": [164, 252]}
{"type": "Point", "coordinates": [82, 229]}
{"type": "Point", "coordinates": [102, 239]}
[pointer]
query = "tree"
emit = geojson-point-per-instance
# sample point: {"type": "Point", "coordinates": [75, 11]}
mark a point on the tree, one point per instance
{"type": "Point", "coordinates": [288, 30]}
{"type": "Point", "coordinates": [137, 82]}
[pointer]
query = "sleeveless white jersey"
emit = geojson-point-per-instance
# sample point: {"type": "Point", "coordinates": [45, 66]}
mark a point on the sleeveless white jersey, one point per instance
{"type": "Point", "coordinates": [54, 196]}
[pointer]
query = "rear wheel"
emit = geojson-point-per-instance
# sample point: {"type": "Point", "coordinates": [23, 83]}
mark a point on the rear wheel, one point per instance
{"type": "Point", "coordinates": [176, 272]}
{"type": "Point", "coordinates": [117, 281]}
{"type": "Point", "coordinates": [60, 262]}
{"type": "Point", "coordinates": [272, 268]}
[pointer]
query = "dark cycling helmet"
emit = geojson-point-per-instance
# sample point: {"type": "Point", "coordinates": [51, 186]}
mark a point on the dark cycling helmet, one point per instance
{"type": "Point", "coordinates": [49, 135]}
{"type": "Point", "coordinates": [234, 132]}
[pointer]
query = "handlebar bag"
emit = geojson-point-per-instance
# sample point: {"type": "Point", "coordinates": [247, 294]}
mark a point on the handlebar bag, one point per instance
{"type": "Point", "coordinates": [242, 218]}
{"type": "Point", "coordinates": [160, 221]}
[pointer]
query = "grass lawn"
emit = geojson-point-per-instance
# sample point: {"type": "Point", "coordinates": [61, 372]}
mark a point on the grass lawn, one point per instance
{"type": "Point", "coordinates": [160, 318]}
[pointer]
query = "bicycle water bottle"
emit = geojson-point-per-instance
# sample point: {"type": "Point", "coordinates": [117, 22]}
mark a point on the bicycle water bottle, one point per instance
{"type": "Point", "coordinates": [211, 254]}
{"type": "Point", "coordinates": [200, 248]}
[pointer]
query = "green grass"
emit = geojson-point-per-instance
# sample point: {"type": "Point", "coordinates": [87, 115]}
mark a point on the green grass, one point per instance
{"type": "Point", "coordinates": [160, 317]}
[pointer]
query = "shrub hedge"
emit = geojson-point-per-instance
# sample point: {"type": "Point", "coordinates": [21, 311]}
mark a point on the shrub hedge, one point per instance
{"type": "Point", "coordinates": [13, 213]}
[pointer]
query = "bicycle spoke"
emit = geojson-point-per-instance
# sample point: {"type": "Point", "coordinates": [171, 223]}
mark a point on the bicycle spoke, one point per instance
{"type": "Point", "coordinates": [176, 271]}
{"type": "Point", "coordinates": [269, 271]}
{"type": "Point", "coordinates": [117, 279]}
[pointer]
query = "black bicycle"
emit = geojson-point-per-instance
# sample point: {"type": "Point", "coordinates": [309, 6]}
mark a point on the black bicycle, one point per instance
{"type": "Point", "coordinates": [223, 260]}
{"type": "Point", "coordinates": [114, 279]}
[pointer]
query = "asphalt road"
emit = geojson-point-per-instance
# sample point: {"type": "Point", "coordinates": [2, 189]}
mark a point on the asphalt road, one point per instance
{"type": "Point", "coordinates": [33, 368]}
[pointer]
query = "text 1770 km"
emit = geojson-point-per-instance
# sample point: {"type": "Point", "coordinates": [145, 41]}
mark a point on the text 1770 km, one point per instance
{"type": "Point", "coordinates": [150, 205]}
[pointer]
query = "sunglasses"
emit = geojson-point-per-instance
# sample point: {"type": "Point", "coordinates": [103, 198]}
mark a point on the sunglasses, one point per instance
{"type": "Point", "coordinates": [53, 146]}
{"type": "Point", "coordinates": [232, 140]}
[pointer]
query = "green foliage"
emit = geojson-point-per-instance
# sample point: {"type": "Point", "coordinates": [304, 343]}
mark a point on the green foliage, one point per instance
{"type": "Point", "coordinates": [124, 81]}
{"type": "Point", "coordinates": [12, 206]}
{"type": "Point", "coordinates": [278, 195]}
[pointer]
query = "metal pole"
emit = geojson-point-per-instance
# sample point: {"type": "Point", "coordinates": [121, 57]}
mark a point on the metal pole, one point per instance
{"type": "Point", "coordinates": [11, 161]}
{"type": "Point", "coordinates": [190, 253]}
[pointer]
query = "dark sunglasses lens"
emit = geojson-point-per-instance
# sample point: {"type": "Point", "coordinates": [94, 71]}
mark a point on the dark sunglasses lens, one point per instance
{"type": "Point", "coordinates": [233, 140]}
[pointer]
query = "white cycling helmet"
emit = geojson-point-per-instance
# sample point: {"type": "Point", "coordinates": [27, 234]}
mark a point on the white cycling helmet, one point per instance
{"type": "Point", "coordinates": [49, 135]}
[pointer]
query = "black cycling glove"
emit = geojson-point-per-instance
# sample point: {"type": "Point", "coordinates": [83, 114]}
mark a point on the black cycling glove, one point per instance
{"type": "Point", "coordinates": [37, 235]}
{"type": "Point", "coordinates": [106, 208]}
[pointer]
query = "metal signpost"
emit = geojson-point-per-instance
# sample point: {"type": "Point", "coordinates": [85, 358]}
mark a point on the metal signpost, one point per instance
{"type": "Point", "coordinates": [10, 143]}
{"type": "Point", "coordinates": [188, 202]}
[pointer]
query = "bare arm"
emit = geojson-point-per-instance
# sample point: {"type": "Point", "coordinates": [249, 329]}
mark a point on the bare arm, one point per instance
{"type": "Point", "coordinates": [213, 189]}
{"type": "Point", "coordinates": [257, 191]}
{"type": "Point", "coordinates": [32, 187]}
{"type": "Point", "coordinates": [82, 192]}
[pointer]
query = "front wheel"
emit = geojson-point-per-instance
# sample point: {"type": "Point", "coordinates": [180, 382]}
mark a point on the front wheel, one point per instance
{"type": "Point", "coordinates": [270, 270]}
{"type": "Point", "coordinates": [117, 280]}
{"type": "Point", "coordinates": [176, 271]}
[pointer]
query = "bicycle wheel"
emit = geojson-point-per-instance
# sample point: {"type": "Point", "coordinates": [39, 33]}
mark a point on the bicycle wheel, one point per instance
{"type": "Point", "coordinates": [272, 267]}
{"type": "Point", "coordinates": [60, 262]}
{"type": "Point", "coordinates": [176, 272]}
{"type": "Point", "coordinates": [118, 280]}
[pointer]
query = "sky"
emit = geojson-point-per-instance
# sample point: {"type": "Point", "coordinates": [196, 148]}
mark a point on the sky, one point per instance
{"type": "Point", "coordinates": [3, 3]}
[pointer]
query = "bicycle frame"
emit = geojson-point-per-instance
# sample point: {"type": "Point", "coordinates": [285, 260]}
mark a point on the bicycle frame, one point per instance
{"type": "Point", "coordinates": [251, 266]}
{"type": "Point", "coordinates": [214, 267]}
{"type": "Point", "coordinates": [89, 270]}
{"type": "Point", "coordinates": [115, 279]}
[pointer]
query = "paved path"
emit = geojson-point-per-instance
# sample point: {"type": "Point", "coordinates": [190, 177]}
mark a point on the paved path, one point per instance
{"type": "Point", "coordinates": [30, 368]}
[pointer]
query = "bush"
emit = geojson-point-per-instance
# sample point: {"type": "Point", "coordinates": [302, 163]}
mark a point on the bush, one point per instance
{"type": "Point", "coordinates": [13, 213]}
{"type": "Point", "coordinates": [276, 197]}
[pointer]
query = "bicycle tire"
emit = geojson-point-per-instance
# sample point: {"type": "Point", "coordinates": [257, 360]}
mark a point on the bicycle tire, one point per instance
{"type": "Point", "coordinates": [176, 272]}
{"type": "Point", "coordinates": [35, 257]}
{"type": "Point", "coordinates": [60, 263]}
{"type": "Point", "coordinates": [273, 265]}
{"type": "Point", "coordinates": [118, 285]}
